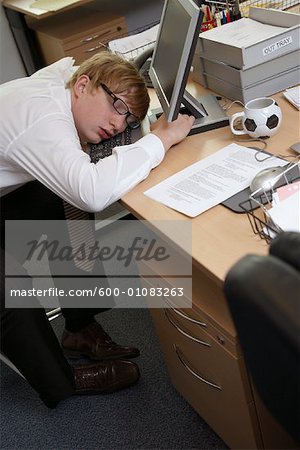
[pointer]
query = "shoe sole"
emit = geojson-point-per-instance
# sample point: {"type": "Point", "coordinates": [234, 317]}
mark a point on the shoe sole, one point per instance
{"type": "Point", "coordinates": [127, 383]}
{"type": "Point", "coordinates": [109, 390]}
{"type": "Point", "coordinates": [73, 354]}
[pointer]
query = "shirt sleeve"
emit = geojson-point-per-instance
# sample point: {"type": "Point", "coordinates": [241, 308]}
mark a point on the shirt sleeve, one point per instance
{"type": "Point", "coordinates": [51, 152]}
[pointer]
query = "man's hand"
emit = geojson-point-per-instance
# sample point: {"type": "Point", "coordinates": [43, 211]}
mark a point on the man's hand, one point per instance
{"type": "Point", "coordinates": [170, 133]}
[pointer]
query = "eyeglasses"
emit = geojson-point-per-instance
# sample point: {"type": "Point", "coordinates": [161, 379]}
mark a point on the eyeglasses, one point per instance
{"type": "Point", "coordinates": [122, 109]}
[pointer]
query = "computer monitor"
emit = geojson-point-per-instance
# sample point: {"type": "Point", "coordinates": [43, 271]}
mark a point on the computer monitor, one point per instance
{"type": "Point", "coordinates": [171, 64]}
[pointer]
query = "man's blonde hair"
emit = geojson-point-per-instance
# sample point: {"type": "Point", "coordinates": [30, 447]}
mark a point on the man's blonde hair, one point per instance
{"type": "Point", "coordinates": [120, 76]}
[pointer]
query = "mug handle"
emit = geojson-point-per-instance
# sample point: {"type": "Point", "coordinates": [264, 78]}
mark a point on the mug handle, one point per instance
{"type": "Point", "coordinates": [233, 119]}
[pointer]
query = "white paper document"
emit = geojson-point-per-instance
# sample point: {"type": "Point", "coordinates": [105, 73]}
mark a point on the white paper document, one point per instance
{"type": "Point", "coordinates": [242, 33]}
{"type": "Point", "coordinates": [293, 96]}
{"type": "Point", "coordinates": [286, 214]}
{"type": "Point", "coordinates": [210, 181]}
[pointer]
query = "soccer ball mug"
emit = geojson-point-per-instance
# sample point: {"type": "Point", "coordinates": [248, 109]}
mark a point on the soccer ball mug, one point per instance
{"type": "Point", "coordinates": [261, 118]}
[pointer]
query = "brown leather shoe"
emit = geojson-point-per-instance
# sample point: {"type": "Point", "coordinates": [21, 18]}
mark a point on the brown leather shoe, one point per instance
{"type": "Point", "coordinates": [92, 341]}
{"type": "Point", "coordinates": [105, 377]}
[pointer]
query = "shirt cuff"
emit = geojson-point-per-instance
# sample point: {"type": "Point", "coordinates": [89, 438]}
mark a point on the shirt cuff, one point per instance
{"type": "Point", "coordinates": [152, 146]}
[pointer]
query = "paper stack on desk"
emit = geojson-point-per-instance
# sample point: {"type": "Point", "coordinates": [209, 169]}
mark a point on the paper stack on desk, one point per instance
{"type": "Point", "coordinates": [293, 96]}
{"type": "Point", "coordinates": [286, 210]}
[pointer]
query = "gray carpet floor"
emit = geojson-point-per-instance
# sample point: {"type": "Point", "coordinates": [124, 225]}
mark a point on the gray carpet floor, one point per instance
{"type": "Point", "coordinates": [149, 415]}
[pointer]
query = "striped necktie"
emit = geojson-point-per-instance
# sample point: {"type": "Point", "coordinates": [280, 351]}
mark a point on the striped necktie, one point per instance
{"type": "Point", "coordinates": [79, 222]}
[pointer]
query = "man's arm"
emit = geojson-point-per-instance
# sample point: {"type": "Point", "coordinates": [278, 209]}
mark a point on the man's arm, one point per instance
{"type": "Point", "coordinates": [171, 133]}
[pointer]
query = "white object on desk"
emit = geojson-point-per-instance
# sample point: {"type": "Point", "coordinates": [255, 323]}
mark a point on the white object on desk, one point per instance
{"type": "Point", "coordinates": [293, 96]}
{"type": "Point", "coordinates": [131, 46]}
{"type": "Point", "coordinates": [286, 213]}
{"type": "Point", "coordinates": [261, 118]}
{"type": "Point", "coordinates": [210, 181]}
{"type": "Point", "coordinates": [52, 5]}
{"type": "Point", "coordinates": [245, 43]}
{"type": "Point", "coordinates": [242, 33]}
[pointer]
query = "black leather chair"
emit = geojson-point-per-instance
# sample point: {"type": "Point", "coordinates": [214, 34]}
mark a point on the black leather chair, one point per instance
{"type": "Point", "coordinates": [263, 293]}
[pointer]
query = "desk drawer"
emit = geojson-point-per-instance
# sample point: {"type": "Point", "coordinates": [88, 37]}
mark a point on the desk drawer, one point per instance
{"type": "Point", "coordinates": [193, 320]}
{"type": "Point", "coordinates": [214, 382]}
{"type": "Point", "coordinates": [82, 53]}
{"type": "Point", "coordinates": [90, 37]}
{"type": "Point", "coordinates": [79, 33]}
{"type": "Point", "coordinates": [197, 325]}
{"type": "Point", "coordinates": [207, 297]}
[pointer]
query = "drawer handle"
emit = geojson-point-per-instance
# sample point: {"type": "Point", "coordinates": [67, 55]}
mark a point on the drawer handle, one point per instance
{"type": "Point", "coordinates": [207, 344]}
{"type": "Point", "coordinates": [89, 39]}
{"type": "Point", "coordinates": [196, 375]}
{"type": "Point", "coordinates": [106, 32]}
{"type": "Point", "coordinates": [93, 49]}
{"type": "Point", "coordinates": [180, 313]}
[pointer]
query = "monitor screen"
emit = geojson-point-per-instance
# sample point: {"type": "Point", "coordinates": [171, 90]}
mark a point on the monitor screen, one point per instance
{"type": "Point", "coordinates": [173, 53]}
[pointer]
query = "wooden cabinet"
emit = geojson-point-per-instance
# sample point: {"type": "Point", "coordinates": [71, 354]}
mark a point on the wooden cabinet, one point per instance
{"type": "Point", "coordinates": [79, 33]}
{"type": "Point", "coordinates": [206, 367]}
{"type": "Point", "coordinates": [212, 380]}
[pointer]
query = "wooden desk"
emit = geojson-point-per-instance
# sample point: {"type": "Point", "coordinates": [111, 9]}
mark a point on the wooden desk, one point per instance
{"type": "Point", "coordinates": [219, 238]}
{"type": "Point", "coordinates": [24, 7]}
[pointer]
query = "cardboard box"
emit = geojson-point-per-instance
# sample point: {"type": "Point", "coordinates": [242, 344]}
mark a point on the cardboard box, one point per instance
{"type": "Point", "coordinates": [223, 43]}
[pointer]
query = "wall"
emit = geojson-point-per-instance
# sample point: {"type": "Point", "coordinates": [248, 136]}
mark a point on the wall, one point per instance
{"type": "Point", "coordinates": [138, 13]}
{"type": "Point", "coordinates": [11, 65]}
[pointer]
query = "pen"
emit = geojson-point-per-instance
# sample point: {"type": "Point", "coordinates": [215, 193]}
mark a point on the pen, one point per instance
{"type": "Point", "coordinates": [208, 15]}
{"type": "Point", "coordinates": [223, 17]}
{"type": "Point", "coordinates": [236, 12]}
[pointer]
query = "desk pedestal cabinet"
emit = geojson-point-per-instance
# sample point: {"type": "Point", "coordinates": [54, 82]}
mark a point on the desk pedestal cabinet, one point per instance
{"type": "Point", "coordinates": [77, 33]}
{"type": "Point", "coordinates": [207, 368]}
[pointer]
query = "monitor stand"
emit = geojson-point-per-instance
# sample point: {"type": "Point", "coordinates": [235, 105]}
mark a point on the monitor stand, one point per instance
{"type": "Point", "coordinates": [209, 114]}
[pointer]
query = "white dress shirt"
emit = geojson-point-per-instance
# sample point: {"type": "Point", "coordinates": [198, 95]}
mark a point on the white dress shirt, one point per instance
{"type": "Point", "coordinates": [38, 140]}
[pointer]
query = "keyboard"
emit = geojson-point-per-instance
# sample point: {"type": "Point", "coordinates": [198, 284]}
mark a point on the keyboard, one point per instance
{"type": "Point", "coordinates": [105, 147]}
{"type": "Point", "coordinates": [129, 136]}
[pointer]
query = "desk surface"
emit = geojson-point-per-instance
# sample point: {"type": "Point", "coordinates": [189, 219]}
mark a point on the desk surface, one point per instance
{"type": "Point", "coordinates": [220, 237]}
{"type": "Point", "coordinates": [24, 7]}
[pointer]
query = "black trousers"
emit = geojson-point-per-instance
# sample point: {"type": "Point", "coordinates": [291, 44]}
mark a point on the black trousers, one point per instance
{"type": "Point", "coordinates": [27, 337]}
{"type": "Point", "coordinates": [263, 294]}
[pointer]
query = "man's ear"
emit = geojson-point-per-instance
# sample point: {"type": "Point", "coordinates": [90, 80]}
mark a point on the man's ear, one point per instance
{"type": "Point", "coordinates": [81, 85]}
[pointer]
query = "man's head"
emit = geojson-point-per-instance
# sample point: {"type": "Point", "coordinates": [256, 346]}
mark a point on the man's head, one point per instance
{"type": "Point", "coordinates": [96, 87]}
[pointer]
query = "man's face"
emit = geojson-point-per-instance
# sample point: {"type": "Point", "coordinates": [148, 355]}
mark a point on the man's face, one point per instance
{"type": "Point", "coordinates": [94, 115]}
